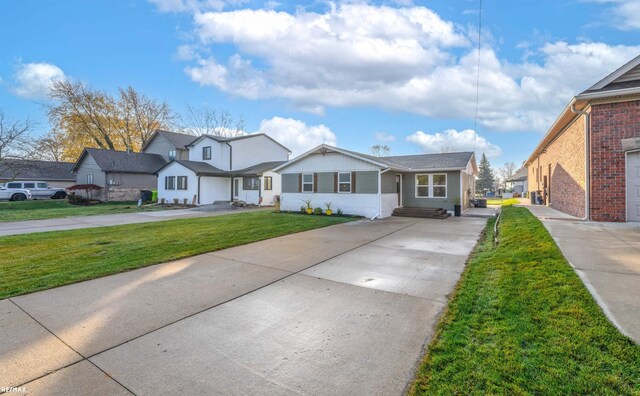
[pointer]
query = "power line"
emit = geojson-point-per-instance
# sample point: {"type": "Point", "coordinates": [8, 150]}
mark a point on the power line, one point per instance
{"type": "Point", "coordinates": [475, 120]}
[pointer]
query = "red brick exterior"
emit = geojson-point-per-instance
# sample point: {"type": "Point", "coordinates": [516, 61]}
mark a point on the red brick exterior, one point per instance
{"type": "Point", "coordinates": [610, 123]}
{"type": "Point", "coordinates": [562, 164]}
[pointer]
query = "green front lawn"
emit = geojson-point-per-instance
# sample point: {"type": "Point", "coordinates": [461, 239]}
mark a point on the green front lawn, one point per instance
{"type": "Point", "coordinates": [41, 261]}
{"type": "Point", "coordinates": [521, 322]}
{"type": "Point", "coordinates": [52, 209]}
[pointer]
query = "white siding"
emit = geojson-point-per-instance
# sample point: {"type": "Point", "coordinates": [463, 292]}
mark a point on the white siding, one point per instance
{"type": "Point", "coordinates": [214, 189]}
{"type": "Point", "coordinates": [248, 196]}
{"type": "Point", "coordinates": [256, 150]}
{"type": "Point", "coordinates": [389, 203]}
{"type": "Point", "coordinates": [330, 162]}
{"type": "Point", "coordinates": [176, 169]}
{"type": "Point", "coordinates": [219, 153]}
{"type": "Point", "coordinates": [366, 205]}
{"type": "Point", "coordinates": [268, 195]}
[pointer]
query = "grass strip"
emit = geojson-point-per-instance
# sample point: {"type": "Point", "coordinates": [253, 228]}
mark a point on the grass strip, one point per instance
{"type": "Point", "coordinates": [521, 322]}
{"type": "Point", "coordinates": [40, 261]}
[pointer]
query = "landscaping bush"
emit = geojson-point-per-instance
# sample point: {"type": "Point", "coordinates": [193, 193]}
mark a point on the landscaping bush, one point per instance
{"type": "Point", "coordinates": [317, 211]}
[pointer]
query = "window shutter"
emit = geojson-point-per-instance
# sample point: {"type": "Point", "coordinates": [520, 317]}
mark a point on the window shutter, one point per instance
{"type": "Point", "coordinates": [353, 182]}
{"type": "Point", "coordinates": [299, 182]}
{"type": "Point", "coordinates": [315, 182]}
{"type": "Point", "coordinates": [335, 182]}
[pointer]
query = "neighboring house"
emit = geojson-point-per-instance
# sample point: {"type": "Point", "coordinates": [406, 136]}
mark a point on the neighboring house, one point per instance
{"type": "Point", "coordinates": [121, 174]}
{"type": "Point", "coordinates": [56, 174]}
{"type": "Point", "coordinates": [372, 186]}
{"type": "Point", "coordinates": [518, 182]}
{"type": "Point", "coordinates": [588, 163]}
{"type": "Point", "coordinates": [170, 145]}
{"type": "Point", "coordinates": [225, 169]}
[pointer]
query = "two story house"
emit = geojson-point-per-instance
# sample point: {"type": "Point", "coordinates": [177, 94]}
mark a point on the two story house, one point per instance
{"type": "Point", "coordinates": [225, 169]}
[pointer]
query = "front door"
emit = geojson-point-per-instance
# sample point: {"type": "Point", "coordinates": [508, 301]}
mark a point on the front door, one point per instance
{"type": "Point", "coordinates": [236, 188]}
{"type": "Point", "coordinates": [633, 186]}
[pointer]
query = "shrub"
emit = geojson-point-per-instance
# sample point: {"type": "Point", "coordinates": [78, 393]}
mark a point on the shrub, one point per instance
{"type": "Point", "coordinates": [339, 212]}
{"type": "Point", "coordinates": [317, 211]}
{"type": "Point", "coordinates": [303, 209]}
{"type": "Point", "coordinates": [175, 201]}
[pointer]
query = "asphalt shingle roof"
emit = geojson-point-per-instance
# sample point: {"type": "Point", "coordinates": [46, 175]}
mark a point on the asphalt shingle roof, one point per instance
{"type": "Point", "coordinates": [16, 169]}
{"type": "Point", "coordinates": [430, 161]}
{"type": "Point", "coordinates": [258, 169]}
{"type": "Point", "coordinates": [126, 162]}
{"type": "Point", "coordinates": [520, 175]}
{"type": "Point", "coordinates": [179, 140]}
{"type": "Point", "coordinates": [202, 168]}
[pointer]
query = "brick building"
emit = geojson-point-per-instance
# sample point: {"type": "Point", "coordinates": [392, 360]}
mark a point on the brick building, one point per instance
{"type": "Point", "coordinates": [588, 163]}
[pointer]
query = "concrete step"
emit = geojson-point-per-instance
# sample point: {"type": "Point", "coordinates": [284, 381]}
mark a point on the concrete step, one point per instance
{"type": "Point", "coordinates": [426, 213]}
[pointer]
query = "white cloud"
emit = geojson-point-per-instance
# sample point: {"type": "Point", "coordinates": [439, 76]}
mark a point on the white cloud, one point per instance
{"type": "Point", "coordinates": [384, 137]}
{"type": "Point", "coordinates": [33, 80]}
{"type": "Point", "coordinates": [405, 59]}
{"type": "Point", "coordinates": [453, 140]}
{"type": "Point", "coordinates": [297, 135]}
{"type": "Point", "coordinates": [626, 13]}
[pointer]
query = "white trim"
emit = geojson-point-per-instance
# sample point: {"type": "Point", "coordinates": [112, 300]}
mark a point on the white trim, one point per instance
{"type": "Point", "coordinates": [350, 184]}
{"type": "Point", "coordinates": [335, 149]}
{"type": "Point", "coordinates": [616, 74]}
{"type": "Point", "coordinates": [430, 185]}
{"type": "Point", "coordinates": [626, 185]}
{"type": "Point", "coordinates": [303, 182]}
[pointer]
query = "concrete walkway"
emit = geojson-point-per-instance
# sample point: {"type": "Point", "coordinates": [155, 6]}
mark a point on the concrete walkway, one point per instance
{"type": "Point", "coordinates": [339, 310]}
{"type": "Point", "coordinates": [76, 222]}
{"type": "Point", "coordinates": [606, 256]}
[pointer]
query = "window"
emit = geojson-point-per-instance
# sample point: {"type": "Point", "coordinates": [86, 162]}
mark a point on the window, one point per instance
{"type": "Point", "coordinates": [172, 155]}
{"type": "Point", "coordinates": [344, 182]}
{"type": "Point", "coordinates": [250, 183]}
{"type": "Point", "coordinates": [307, 182]}
{"type": "Point", "coordinates": [182, 182]}
{"type": "Point", "coordinates": [422, 186]}
{"type": "Point", "coordinates": [439, 186]}
{"type": "Point", "coordinates": [170, 183]}
{"type": "Point", "coordinates": [268, 183]}
{"type": "Point", "coordinates": [14, 185]}
{"type": "Point", "coordinates": [431, 186]}
{"type": "Point", "coordinates": [90, 178]}
{"type": "Point", "coordinates": [206, 153]}
{"type": "Point", "coordinates": [29, 185]}
{"type": "Point", "coordinates": [43, 185]}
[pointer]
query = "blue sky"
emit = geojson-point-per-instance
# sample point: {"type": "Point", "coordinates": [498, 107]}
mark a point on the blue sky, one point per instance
{"type": "Point", "coordinates": [355, 73]}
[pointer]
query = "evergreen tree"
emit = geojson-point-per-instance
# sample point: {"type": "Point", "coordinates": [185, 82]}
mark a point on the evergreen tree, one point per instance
{"type": "Point", "coordinates": [486, 179]}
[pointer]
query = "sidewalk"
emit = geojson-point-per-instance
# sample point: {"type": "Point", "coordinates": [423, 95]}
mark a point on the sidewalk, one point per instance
{"type": "Point", "coordinates": [78, 222]}
{"type": "Point", "coordinates": [606, 257]}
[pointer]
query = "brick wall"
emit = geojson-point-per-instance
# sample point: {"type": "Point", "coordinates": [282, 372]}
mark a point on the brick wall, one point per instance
{"type": "Point", "coordinates": [609, 124]}
{"type": "Point", "coordinates": [563, 165]}
{"type": "Point", "coordinates": [123, 193]}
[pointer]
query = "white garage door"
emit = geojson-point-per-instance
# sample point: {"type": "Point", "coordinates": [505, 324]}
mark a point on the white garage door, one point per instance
{"type": "Point", "coordinates": [633, 186]}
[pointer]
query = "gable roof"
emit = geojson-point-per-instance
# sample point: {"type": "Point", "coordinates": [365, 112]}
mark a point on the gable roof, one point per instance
{"type": "Point", "coordinates": [234, 138]}
{"type": "Point", "coordinates": [176, 139]}
{"type": "Point", "coordinates": [407, 163]}
{"type": "Point", "coordinates": [15, 169]}
{"type": "Point", "coordinates": [520, 175]}
{"type": "Point", "coordinates": [258, 169]}
{"type": "Point", "coordinates": [122, 161]}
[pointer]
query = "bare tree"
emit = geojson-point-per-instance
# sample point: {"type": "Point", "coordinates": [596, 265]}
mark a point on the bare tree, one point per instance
{"type": "Point", "coordinates": [508, 170]}
{"type": "Point", "coordinates": [50, 147]}
{"type": "Point", "coordinates": [446, 149]}
{"type": "Point", "coordinates": [141, 115]}
{"type": "Point", "coordinates": [379, 150]}
{"type": "Point", "coordinates": [208, 121]}
{"type": "Point", "coordinates": [14, 137]}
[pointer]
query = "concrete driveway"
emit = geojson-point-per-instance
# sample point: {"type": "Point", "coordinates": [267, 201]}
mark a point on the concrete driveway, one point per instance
{"type": "Point", "coordinates": [606, 256]}
{"type": "Point", "coordinates": [340, 310]}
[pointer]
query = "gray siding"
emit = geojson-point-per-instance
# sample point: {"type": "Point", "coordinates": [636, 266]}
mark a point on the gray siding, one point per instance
{"type": "Point", "coordinates": [160, 145]}
{"type": "Point", "coordinates": [325, 182]}
{"type": "Point", "coordinates": [409, 192]}
{"type": "Point", "coordinates": [367, 182]}
{"type": "Point", "coordinates": [89, 166]}
{"type": "Point", "coordinates": [290, 183]}
{"type": "Point", "coordinates": [389, 182]}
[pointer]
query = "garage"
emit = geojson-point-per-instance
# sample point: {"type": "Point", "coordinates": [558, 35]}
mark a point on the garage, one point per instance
{"type": "Point", "coordinates": [633, 186]}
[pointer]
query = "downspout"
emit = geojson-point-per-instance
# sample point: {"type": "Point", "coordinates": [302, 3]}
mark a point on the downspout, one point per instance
{"type": "Point", "coordinates": [587, 164]}
{"type": "Point", "coordinates": [230, 155]}
{"type": "Point", "coordinates": [380, 172]}
{"type": "Point", "coordinates": [198, 189]}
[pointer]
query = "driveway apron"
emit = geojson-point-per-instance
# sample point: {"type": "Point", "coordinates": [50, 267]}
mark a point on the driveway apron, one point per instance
{"type": "Point", "coordinates": [339, 310]}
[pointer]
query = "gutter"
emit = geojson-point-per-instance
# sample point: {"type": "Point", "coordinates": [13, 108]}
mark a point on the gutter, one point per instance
{"type": "Point", "coordinates": [230, 155]}
{"type": "Point", "coordinates": [199, 189]}
{"type": "Point", "coordinates": [380, 172]}
{"type": "Point", "coordinates": [587, 170]}
{"type": "Point", "coordinates": [608, 94]}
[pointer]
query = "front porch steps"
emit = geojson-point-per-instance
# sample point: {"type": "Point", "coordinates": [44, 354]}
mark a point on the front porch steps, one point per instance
{"type": "Point", "coordinates": [425, 213]}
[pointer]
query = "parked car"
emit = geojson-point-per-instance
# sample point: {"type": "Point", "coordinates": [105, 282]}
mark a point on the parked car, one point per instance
{"type": "Point", "coordinates": [39, 189]}
{"type": "Point", "coordinates": [14, 194]}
